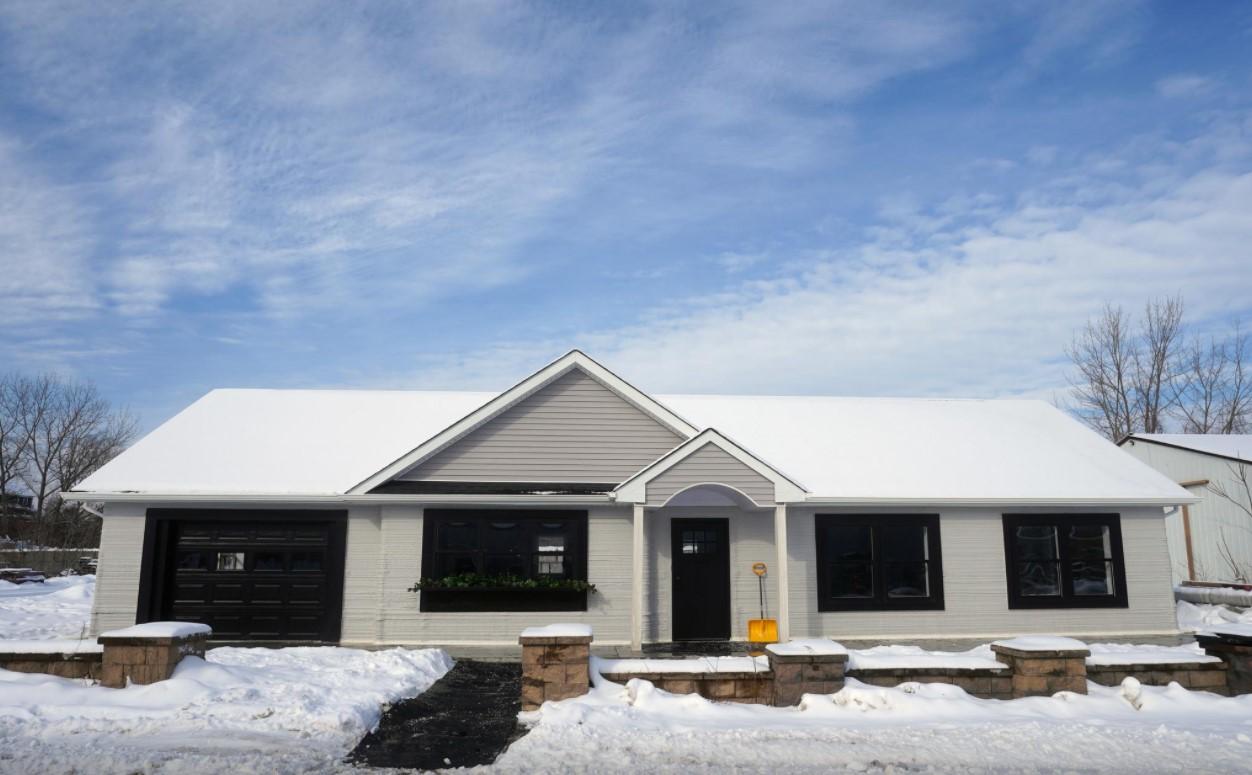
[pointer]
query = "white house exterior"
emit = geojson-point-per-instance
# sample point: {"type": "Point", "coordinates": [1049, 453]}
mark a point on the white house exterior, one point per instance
{"type": "Point", "coordinates": [1210, 540]}
{"type": "Point", "coordinates": [309, 516]}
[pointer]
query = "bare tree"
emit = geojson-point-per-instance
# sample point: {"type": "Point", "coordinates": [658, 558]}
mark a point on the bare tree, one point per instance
{"type": "Point", "coordinates": [12, 440]}
{"type": "Point", "coordinates": [1154, 360]}
{"type": "Point", "coordinates": [1150, 376]}
{"type": "Point", "coordinates": [60, 432]}
{"type": "Point", "coordinates": [1125, 375]}
{"type": "Point", "coordinates": [1104, 354]}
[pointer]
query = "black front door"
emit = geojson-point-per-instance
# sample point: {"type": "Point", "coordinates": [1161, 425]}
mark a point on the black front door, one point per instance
{"type": "Point", "coordinates": [701, 569]}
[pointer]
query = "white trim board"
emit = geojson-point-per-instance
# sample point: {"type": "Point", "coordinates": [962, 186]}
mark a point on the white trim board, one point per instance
{"type": "Point", "coordinates": [634, 489]}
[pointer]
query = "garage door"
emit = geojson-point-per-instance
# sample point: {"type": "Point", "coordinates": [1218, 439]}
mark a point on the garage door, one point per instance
{"type": "Point", "coordinates": [260, 577]}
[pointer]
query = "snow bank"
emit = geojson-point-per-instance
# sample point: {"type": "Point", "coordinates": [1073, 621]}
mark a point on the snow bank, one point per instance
{"type": "Point", "coordinates": [1041, 643]}
{"type": "Point", "coordinates": [558, 631]}
{"type": "Point", "coordinates": [1196, 616]}
{"type": "Point", "coordinates": [807, 647]}
{"type": "Point", "coordinates": [58, 608]}
{"type": "Point", "coordinates": [887, 657]}
{"type": "Point", "coordinates": [1123, 654]}
{"type": "Point", "coordinates": [913, 727]}
{"type": "Point", "coordinates": [686, 665]}
{"type": "Point", "coordinates": [243, 710]}
{"type": "Point", "coordinates": [84, 646]}
{"type": "Point", "coordinates": [160, 630]}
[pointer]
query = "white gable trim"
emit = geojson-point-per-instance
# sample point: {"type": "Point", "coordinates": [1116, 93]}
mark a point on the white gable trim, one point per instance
{"type": "Point", "coordinates": [634, 489]}
{"type": "Point", "coordinates": [574, 359]}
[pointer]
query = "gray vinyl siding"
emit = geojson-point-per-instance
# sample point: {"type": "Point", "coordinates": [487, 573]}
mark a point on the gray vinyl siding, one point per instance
{"type": "Point", "coordinates": [363, 577]}
{"type": "Point", "coordinates": [751, 540]}
{"type": "Point", "coordinates": [976, 586]}
{"type": "Point", "coordinates": [710, 463]}
{"type": "Point", "coordinates": [117, 575]}
{"type": "Point", "coordinates": [1220, 530]}
{"type": "Point", "coordinates": [572, 430]}
{"type": "Point", "coordinates": [400, 559]}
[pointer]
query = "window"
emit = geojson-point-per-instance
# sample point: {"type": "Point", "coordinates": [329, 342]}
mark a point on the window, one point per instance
{"type": "Point", "coordinates": [1064, 561]}
{"type": "Point", "coordinates": [531, 545]}
{"type": "Point", "coordinates": [230, 560]}
{"type": "Point", "coordinates": [699, 541]}
{"type": "Point", "coordinates": [881, 562]}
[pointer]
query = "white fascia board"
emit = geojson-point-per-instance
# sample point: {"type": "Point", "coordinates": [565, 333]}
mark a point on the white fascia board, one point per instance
{"type": "Point", "coordinates": [333, 499]}
{"type": "Point", "coordinates": [634, 489]}
{"type": "Point", "coordinates": [1014, 503]}
{"type": "Point", "coordinates": [572, 359]}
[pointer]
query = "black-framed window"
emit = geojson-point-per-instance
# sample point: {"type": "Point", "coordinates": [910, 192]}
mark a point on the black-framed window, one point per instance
{"type": "Point", "coordinates": [888, 562]}
{"type": "Point", "coordinates": [1064, 561]}
{"type": "Point", "coordinates": [518, 544]}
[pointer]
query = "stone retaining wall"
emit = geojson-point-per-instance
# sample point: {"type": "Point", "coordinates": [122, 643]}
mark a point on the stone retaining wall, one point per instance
{"type": "Point", "coordinates": [988, 683]}
{"type": "Point", "coordinates": [79, 665]}
{"type": "Point", "coordinates": [1203, 676]}
{"type": "Point", "coordinates": [558, 667]}
{"type": "Point", "coordinates": [725, 687]}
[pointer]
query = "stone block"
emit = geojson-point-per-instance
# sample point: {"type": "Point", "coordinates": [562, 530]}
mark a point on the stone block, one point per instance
{"type": "Point", "coordinates": [679, 685]}
{"type": "Point", "coordinates": [788, 672]}
{"type": "Point", "coordinates": [718, 688]}
{"type": "Point", "coordinates": [552, 673]}
{"type": "Point", "coordinates": [1206, 679]}
{"type": "Point", "coordinates": [577, 673]}
{"type": "Point", "coordinates": [532, 696]}
{"type": "Point", "coordinates": [1030, 685]}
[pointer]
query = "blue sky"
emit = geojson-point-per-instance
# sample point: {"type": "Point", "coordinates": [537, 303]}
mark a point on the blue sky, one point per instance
{"type": "Point", "coordinates": [845, 198]}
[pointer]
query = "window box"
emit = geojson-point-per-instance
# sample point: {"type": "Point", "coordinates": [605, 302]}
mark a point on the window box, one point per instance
{"type": "Point", "coordinates": [541, 553]}
{"type": "Point", "coordinates": [887, 562]}
{"type": "Point", "coordinates": [477, 599]}
{"type": "Point", "coordinates": [1064, 561]}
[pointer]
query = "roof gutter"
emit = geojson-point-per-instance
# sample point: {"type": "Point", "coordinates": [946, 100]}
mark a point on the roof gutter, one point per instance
{"type": "Point", "coordinates": [329, 499]}
{"type": "Point", "coordinates": [552, 500]}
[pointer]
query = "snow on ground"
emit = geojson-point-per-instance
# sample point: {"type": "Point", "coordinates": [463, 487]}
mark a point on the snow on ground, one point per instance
{"type": "Point", "coordinates": [926, 727]}
{"type": "Point", "coordinates": [243, 710]}
{"type": "Point", "coordinates": [1201, 616]}
{"type": "Point", "coordinates": [58, 608]}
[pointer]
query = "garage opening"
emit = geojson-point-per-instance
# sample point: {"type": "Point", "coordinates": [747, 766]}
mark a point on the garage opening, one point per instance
{"type": "Point", "coordinates": [256, 575]}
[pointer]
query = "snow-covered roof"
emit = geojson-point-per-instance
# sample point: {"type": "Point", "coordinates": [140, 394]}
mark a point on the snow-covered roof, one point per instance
{"type": "Point", "coordinates": [281, 442]}
{"type": "Point", "coordinates": [929, 449]}
{"type": "Point", "coordinates": [1237, 446]}
{"type": "Point", "coordinates": [323, 442]}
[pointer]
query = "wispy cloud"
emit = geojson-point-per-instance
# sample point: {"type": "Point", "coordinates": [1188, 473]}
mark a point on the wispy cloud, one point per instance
{"type": "Point", "coordinates": [972, 298]}
{"type": "Point", "coordinates": [1185, 85]}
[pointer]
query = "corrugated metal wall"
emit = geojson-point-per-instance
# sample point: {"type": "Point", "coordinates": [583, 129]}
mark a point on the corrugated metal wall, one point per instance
{"type": "Point", "coordinates": [1215, 521]}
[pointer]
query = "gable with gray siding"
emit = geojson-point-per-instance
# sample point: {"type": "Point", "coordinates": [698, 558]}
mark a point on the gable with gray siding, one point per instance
{"type": "Point", "coordinates": [710, 463]}
{"type": "Point", "coordinates": [572, 430]}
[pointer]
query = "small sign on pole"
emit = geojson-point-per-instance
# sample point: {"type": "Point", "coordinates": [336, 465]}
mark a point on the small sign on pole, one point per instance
{"type": "Point", "coordinates": [758, 568]}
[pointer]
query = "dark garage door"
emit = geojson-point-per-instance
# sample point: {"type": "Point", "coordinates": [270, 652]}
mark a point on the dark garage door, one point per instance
{"type": "Point", "coordinates": [251, 576]}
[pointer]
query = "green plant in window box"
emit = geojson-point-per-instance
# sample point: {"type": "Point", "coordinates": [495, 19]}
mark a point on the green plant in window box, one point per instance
{"type": "Point", "coordinates": [479, 581]}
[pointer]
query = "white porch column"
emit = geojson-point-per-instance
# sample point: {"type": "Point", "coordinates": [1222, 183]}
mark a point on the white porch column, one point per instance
{"type": "Point", "coordinates": [636, 581]}
{"type": "Point", "coordinates": [784, 589]}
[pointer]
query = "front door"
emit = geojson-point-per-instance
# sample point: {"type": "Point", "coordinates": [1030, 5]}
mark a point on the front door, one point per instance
{"type": "Point", "coordinates": [701, 569]}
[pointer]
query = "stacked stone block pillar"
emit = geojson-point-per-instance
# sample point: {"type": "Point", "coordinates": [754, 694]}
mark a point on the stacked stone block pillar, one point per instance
{"type": "Point", "coordinates": [1043, 666]}
{"type": "Point", "coordinates": [145, 659]}
{"type": "Point", "coordinates": [803, 667]}
{"type": "Point", "coordinates": [554, 666]}
{"type": "Point", "coordinates": [1234, 649]}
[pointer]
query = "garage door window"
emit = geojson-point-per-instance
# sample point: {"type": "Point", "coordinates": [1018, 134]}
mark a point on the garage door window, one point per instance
{"type": "Point", "coordinates": [503, 560]}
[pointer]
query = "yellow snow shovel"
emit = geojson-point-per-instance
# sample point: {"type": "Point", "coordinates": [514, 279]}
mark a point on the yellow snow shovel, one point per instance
{"type": "Point", "coordinates": [762, 630]}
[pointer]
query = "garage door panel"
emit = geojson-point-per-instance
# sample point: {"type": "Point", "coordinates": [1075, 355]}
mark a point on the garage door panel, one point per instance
{"type": "Point", "coordinates": [255, 579]}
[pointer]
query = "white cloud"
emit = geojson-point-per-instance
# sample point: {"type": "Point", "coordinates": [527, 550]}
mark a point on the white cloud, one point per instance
{"type": "Point", "coordinates": [977, 305]}
{"type": "Point", "coordinates": [1185, 85]}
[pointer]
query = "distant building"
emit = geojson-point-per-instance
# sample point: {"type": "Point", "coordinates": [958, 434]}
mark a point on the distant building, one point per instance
{"type": "Point", "coordinates": [1210, 540]}
{"type": "Point", "coordinates": [12, 505]}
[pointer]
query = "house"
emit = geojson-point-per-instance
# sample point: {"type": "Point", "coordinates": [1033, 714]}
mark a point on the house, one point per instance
{"type": "Point", "coordinates": [305, 515]}
{"type": "Point", "coordinates": [1210, 540]}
